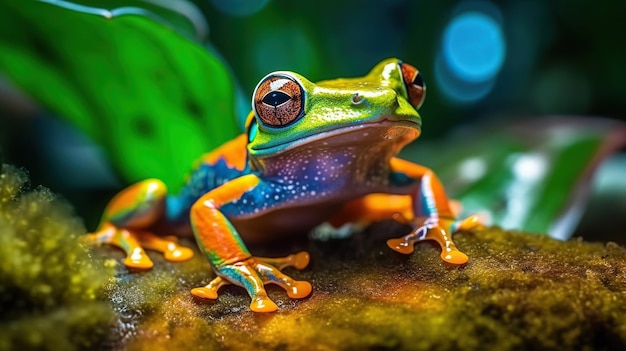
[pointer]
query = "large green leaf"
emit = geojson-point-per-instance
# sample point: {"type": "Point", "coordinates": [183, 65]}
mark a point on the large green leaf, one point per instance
{"type": "Point", "coordinates": [533, 175]}
{"type": "Point", "coordinates": [128, 73]}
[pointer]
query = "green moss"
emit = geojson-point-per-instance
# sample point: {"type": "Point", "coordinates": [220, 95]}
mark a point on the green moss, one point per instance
{"type": "Point", "coordinates": [51, 291]}
{"type": "Point", "coordinates": [518, 292]}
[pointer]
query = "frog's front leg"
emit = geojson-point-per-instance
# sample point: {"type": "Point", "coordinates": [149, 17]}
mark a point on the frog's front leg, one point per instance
{"type": "Point", "coordinates": [229, 257]}
{"type": "Point", "coordinates": [434, 217]}
{"type": "Point", "coordinates": [125, 222]}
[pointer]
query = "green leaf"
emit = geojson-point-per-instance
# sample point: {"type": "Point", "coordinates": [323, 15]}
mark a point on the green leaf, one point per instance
{"type": "Point", "coordinates": [532, 176]}
{"type": "Point", "coordinates": [130, 75]}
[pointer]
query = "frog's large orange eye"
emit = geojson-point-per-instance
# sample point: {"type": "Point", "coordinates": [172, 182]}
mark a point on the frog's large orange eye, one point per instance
{"type": "Point", "coordinates": [415, 87]}
{"type": "Point", "coordinates": [278, 100]}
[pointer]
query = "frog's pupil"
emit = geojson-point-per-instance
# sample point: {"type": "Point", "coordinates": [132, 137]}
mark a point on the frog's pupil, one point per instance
{"type": "Point", "coordinates": [418, 80]}
{"type": "Point", "coordinates": [276, 98]}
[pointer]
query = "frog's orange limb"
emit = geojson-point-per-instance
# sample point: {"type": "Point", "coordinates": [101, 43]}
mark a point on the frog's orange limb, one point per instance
{"type": "Point", "coordinates": [373, 208]}
{"type": "Point", "coordinates": [378, 207]}
{"type": "Point", "coordinates": [168, 246]}
{"type": "Point", "coordinates": [432, 203]}
{"type": "Point", "coordinates": [232, 152]}
{"type": "Point", "coordinates": [229, 257]}
{"type": "Point", "coordinates": [136, 257]}
{"type": "Point", "coordinates": [125, 219]}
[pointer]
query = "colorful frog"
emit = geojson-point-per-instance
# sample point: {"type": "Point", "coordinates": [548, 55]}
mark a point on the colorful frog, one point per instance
{"type": "Point", "coordinates": [313, 152]}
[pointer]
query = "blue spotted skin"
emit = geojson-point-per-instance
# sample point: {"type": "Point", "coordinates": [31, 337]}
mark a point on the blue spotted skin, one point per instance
{"type": "Point", "coordinates": [204, 178]}
{"type": "Point", "coordinates": [302, 187]}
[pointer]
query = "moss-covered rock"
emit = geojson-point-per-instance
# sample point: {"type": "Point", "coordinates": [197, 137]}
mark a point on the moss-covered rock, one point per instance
{"type": "Point", "coordinates": [517, 292]}
{"type": "Point", "coordinates": [51, 291]}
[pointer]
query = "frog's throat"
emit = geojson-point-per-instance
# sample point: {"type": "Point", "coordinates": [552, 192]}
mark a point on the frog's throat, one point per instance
{"type": "Point", "coordinates": [412, 127]}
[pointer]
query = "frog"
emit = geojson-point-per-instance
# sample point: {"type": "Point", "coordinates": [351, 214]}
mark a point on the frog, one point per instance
{"type": "Point", "coordinates": [311, 153]}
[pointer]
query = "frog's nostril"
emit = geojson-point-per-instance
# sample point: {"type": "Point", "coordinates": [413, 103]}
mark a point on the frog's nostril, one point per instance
{"type": "Point", "coordinates": [357, 99]}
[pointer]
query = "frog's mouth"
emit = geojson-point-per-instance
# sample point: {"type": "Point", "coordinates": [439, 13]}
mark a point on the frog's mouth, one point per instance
{"type": "Point", "coordinates": [381, 131]}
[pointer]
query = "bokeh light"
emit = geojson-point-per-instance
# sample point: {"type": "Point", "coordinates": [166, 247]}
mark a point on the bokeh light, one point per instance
{"type": "Point", "coordinates": [473, 50]}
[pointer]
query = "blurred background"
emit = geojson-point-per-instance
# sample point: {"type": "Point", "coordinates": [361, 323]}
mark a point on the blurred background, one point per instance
{"type": "Point", "coordinates": [480, 60]}
{"type": "Point", "coordinates": [484, 62]}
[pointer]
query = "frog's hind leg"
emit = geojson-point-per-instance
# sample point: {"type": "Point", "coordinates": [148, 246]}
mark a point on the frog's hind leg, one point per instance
{"type": "Point", "coordinates": [376, 207]}
{"type": "Point", "coordinates": [125, 220]}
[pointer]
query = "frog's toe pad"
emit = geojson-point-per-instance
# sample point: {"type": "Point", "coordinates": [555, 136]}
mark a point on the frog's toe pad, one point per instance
{"type": "Point", "coordinates": [299, 289]}
{"type": "Point", "coordinates": [454, 257]}
{"type": "Point", "coordinates": [471, 222]}
{"type": "Point", "coordinates": [401, 245]}
{"type": "Point", "coordinates": [138, 259]}
{"type": "Point", "coordinates": [204, 293]}
{"type": "Point", "coordinates": [300, 260]}
{"type": "Point", "coordinates": [178, 253]}
{"type": "Point", "coordinates": [263, 304]}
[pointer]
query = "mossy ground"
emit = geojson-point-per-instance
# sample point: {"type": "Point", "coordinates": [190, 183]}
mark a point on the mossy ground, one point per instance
{"type": "Point", "coordinates": [517, 292]}
{"type": "Point", "coordinates": [51, 290]}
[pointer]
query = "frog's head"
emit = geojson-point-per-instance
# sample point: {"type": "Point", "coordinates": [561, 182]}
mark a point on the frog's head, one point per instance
{"type": "Point", "coordinates": [289, 111]}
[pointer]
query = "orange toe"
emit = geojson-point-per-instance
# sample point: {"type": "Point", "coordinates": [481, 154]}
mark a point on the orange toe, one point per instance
{"type": "Point", "coordinates": [138, 261]}
{"type": "Point", "coordinates": [178, 254]}
{"type": "Point", "coordinates": [204, 293]}
{"type": "Point", "coordinates": [454, 257]}
{"type": "Point", "coordinates": [473, 221]}
{"type": "Point", "coordinates": [299, 289]}
{"type": "Point", "coordinates": [301, 260]}
{"type": "Point", "coordinates": [263, 304]}
{"type": "Point", "coordinates": [400, 245]}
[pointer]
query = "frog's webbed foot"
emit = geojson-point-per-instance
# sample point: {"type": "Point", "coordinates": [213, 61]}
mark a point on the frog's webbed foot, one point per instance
{"type": "Point", "coordinates": [253, 273]}
{"type": "Point", "coordinates": [133, 243]}
{"type": "Point", "coordinates": [438, 230]}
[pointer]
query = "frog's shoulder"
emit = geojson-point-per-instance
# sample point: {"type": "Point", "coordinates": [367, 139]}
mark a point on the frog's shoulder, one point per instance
{"type": "Point", "coordinates": [232, 152]}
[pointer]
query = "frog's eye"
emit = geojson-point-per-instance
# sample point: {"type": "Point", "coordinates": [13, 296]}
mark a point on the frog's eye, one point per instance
{"type": "Point", "coordinates": [278, 100]}
{"type": "Point", "coordinates": [415, 87]}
